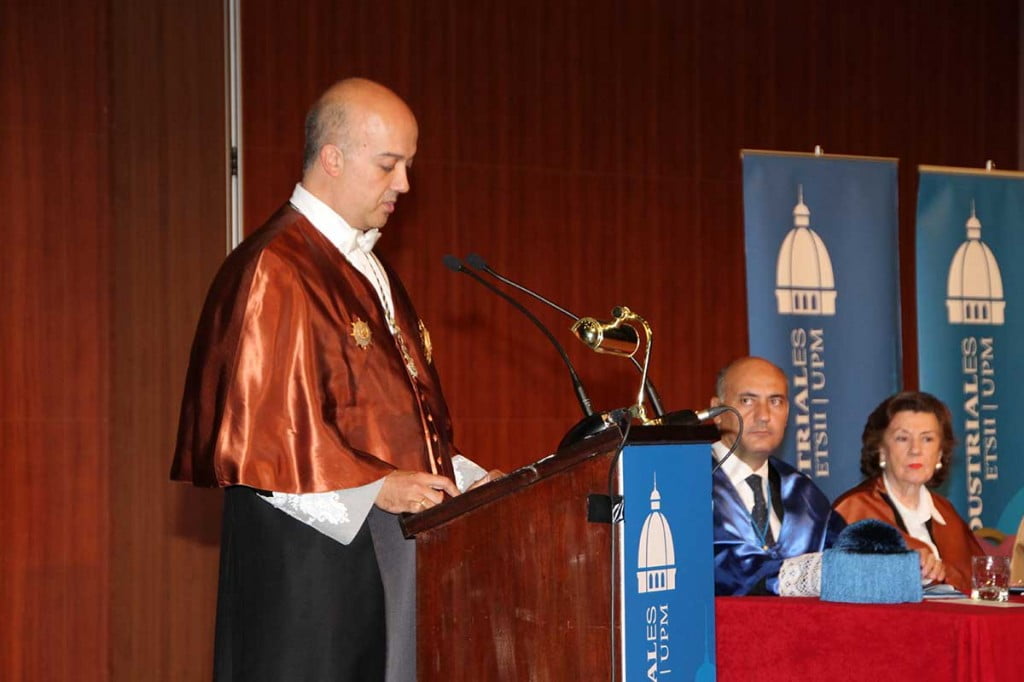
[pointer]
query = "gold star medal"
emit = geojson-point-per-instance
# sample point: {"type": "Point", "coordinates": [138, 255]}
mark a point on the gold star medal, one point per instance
{"type": "Point", "coordinates": [428, 348]}
{"type": "Point", "coordinates": [361, 333]}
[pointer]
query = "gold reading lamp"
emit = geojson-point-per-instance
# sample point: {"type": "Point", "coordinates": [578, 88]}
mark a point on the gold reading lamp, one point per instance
{"type": "Point", "coordinates": [620, 337]}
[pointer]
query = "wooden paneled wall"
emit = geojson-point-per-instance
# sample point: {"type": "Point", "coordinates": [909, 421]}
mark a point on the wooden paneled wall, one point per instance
{"type": "Point", "coordinates": [588, 148]}
{"type": "Point", "coordinates": [55, 313]}
{"type": "Point", "coordinates": [169, 234]}
{"type": "Point", "coordinates": [112, 170]}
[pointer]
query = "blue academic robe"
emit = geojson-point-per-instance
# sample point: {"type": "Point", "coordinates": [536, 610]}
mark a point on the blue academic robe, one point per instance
{"type": "Point", "coordinates": [742, 565]}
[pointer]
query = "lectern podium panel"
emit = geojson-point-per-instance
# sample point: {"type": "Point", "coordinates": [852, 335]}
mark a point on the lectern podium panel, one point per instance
{"type": "Point", "coordinates": [514, 579]}
{"type": "Point", "coordinates": [667, 569]}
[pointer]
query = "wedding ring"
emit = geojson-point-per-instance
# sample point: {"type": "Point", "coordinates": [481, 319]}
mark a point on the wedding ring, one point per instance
{"type": "Point", "coordinates": [422, 502]}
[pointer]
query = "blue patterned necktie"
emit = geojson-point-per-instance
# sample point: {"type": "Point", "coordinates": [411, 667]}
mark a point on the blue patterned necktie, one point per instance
{"type": "Point", "coordinates": [759, 514]}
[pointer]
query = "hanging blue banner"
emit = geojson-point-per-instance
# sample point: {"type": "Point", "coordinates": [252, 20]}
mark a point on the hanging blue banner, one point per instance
{"type": "Point", "coordinates": [970, 275]}
{"type": "Point", "coordinates": [823, 298]}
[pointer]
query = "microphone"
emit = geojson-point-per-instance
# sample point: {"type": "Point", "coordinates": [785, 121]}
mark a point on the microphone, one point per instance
{"type": "Point", "coordinates": [591, 423]}
{"type": "Point", "coordinates": [691, 418]}
{"type": "Point", "coordinates": [478, 262]}
{"type": "Point", "coordinates": [714, 412]}
{"type": "Point", "coordinates": [623, 334]}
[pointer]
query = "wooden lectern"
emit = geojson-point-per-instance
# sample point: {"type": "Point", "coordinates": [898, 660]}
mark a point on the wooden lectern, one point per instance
{"type": "Point", "coordinates": [514, 578]}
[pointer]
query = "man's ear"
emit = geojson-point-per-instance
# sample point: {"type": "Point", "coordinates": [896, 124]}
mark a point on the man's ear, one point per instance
{"type": "Point", "coordinates": [715, 402]}
{"type": "Point", "coordinates": [332, 160]}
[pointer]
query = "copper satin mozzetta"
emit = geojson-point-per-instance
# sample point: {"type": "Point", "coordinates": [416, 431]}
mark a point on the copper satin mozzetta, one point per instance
{"type": "Point", "coordinates": [954, 540]}
{"type": "Point", "coordinates": [339, 410]}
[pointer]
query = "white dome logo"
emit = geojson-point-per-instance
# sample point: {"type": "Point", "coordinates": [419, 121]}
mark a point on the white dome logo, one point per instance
{"type": "Point", "coordinates": [974, 289]}
{"type": "Point", "coordinates": [804, 284]}
{"type": "Point", "coordinates": [657, 556]}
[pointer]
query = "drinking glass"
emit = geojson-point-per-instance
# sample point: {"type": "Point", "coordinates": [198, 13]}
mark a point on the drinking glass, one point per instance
{"type": "Point", "coordinates": [990, 578]}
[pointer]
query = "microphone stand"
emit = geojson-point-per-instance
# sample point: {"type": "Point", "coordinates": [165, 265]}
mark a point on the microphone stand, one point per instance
{"type": "Point", "coordinates": [477, 261]}
{"type": "Point", "coordinates": [592, 422]}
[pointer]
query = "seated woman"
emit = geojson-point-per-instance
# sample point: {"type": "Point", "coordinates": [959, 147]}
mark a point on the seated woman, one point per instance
{"type": "Point", "coordinates": [906, 448]}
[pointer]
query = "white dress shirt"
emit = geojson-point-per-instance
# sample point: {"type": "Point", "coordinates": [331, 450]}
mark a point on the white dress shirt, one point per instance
{"type": "Point", "coordinates": [915, 519]}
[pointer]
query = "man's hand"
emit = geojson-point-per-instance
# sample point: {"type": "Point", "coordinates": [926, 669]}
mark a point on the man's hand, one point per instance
{"type": "Point", "coordinates": [413, 491]}
{"type": "Point", "coordinates": [492, 475]}
{"type": "Point", "coordinates": [932, 570]}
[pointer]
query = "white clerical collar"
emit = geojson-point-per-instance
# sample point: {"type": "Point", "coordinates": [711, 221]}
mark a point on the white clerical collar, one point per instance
{"type": "Point", "coordinates": [344, 237]}
{"type": "Point", "coordinates": [925, 507]}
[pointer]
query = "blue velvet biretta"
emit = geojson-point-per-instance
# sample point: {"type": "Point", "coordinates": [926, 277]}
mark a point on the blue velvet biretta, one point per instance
{"type": "Point", "coordinates": [870, 564]}
{"type": "Point", "coordinates": [870, 536]}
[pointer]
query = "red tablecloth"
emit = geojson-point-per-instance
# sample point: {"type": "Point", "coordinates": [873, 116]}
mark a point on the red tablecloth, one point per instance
{"type": "Point", "coordinates": [782, 638]}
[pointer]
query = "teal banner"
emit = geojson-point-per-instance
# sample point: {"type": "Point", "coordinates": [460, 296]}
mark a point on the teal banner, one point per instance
{"type": "Point", "coordinates": [823, 298]}
{"type": "Point", "coordinates": [970, 280]}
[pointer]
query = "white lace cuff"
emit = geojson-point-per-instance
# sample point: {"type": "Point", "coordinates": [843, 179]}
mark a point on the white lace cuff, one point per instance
{"type": "Point", "coordinates": [338, 514]}
{"type": "Point", "coordinates": [800, 576]}
{"type": "Point", "coordinates": [467, 472]}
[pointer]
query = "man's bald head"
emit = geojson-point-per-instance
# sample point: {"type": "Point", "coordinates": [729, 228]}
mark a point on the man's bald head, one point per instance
{"type": "Point", "coordinates": [360, 143]}
{"type": "Point", "coordinates": [334, 118]}
{"type": "Point", "coordinates": [758, 389]}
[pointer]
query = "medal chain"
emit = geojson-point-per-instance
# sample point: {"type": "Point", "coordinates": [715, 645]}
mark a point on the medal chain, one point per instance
{"type": "Point", "coordinates": [389, 314]}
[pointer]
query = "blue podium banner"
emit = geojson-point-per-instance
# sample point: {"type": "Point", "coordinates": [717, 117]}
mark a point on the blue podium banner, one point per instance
{"type": "Point", "coordinates": [970, 277]}
{"type": "Point", "coordinates": [668, 580]}
{"type": "Point", "coordinates": [823, 298]}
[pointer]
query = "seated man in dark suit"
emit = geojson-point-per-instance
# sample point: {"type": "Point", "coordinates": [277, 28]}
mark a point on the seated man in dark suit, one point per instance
{"type": "Point", "coordinates": [765, 511]}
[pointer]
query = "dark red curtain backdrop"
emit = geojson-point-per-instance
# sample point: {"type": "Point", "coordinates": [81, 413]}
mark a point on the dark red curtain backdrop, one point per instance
{"type": "Point", "coordinates": [588, 148]}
